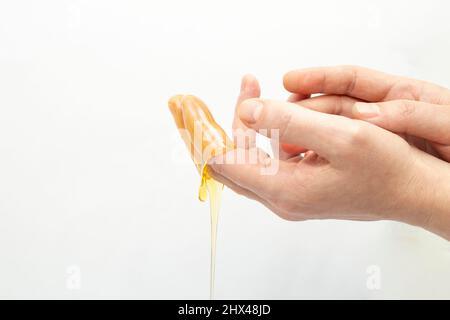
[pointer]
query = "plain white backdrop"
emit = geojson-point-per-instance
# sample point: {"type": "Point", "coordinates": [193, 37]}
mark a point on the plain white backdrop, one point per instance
{"type": "Point", "coordinates": [98, 198]}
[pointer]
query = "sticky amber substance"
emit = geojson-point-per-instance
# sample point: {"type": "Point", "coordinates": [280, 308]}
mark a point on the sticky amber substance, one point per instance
{"type": "Point", "coordinates": [205, 139]}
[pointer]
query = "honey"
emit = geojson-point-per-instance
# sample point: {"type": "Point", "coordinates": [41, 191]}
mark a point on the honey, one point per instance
{"type": "Point", "coordinates": [205, 139]}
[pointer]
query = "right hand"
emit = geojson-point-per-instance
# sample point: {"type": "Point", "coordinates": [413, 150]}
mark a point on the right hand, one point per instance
{"type": "Point", "coordinates": [355, 170]}
{"type": "Point", "coordinates": [370, 175]}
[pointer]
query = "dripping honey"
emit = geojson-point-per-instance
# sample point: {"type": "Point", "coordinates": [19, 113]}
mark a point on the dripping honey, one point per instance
{"type": "Point", "coordinates": [205, 139]}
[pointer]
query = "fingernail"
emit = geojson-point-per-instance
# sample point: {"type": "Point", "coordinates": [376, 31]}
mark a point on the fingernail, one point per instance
{"type": "Point", "coordinates": [250, 111]}
{"type": "Point", "coordinates": [367, 110]}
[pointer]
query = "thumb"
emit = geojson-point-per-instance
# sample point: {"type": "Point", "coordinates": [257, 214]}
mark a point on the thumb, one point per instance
{"type": "Point", "coordinates": [243, 137]}
{"type": "Point", "coordinates": [420, 119]}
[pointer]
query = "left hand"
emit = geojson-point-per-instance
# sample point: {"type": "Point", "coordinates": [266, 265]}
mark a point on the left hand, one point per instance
{"type": "Point", "coordinates": [416, 110]}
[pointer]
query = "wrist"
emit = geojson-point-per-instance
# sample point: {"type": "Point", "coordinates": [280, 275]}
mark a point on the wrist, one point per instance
{"type": "Point", "coordinates": [428, 202]}
{"type": "Point", "coordinates": [438, 207]}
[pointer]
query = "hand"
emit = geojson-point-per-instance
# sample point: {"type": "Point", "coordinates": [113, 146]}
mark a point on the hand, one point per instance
{"type": "Point", "coordinates": [416, 110]}
{"type": "Point", "coordinates": [356, 170]}
{"type": "Point", "coordinates": [245, 138]}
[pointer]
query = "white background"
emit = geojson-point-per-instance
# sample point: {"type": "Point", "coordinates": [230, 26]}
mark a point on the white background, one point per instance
{"type": "Point", "coordinates": [97, 194]}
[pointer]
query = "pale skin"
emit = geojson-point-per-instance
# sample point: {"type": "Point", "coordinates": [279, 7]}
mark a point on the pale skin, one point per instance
{"type": "Point", "coordinates": [375, 147]}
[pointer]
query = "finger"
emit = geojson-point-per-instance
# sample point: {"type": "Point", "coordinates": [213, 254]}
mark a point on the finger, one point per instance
{"type": "Point", "coordinates": [323, 133]}
{"type": "Point", "coordinates": [253, 170]}
{"type": "Point", "coordinates": [240, 190]}
{"type": "Point", "coordinates": [361, 83]}
{"type": "Point", "coordinates": [285, 150]}
{"type": "Point", "coordinates": [243, 137]}
{"type": "Point", "coordinates": [249, 89]}
{"type": "Point", "coordinates": [421, 119]}
{"type": "Point", "coordinates": [340, 105]}
{"type": "Point", "coordinates": [234, 186]}
{"type": "Point", "coordinates": [332, 104]}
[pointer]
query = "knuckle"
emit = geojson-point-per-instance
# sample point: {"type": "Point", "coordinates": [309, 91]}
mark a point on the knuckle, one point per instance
{"type": "Point", "coordinates": [405, 89]}
{"type": "Point", "coordinates": [353, 75]}
{"type": "Point", "coordinates": [343, 101]}
{"type": "Point", "coordinates": [357, 133]}
{"type": "Point", "coordinates": [355, 138]}
{"type": "Point", "coordinates": [407, 108]}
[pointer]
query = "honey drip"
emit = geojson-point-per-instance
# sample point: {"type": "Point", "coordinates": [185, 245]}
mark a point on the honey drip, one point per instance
{"type": "Point", "coordinates": [214, 190]}
{"type": "Point", "coordinates": [191, 114]}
